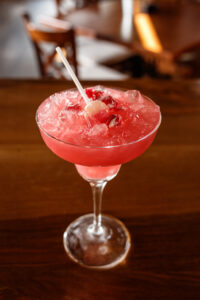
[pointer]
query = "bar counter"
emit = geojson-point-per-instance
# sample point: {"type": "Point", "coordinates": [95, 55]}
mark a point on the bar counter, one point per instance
{"type": "Point", "coordinates": [157, 196]}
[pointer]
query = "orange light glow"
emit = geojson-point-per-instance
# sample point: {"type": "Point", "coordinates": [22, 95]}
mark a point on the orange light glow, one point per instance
{"type": "Point", "coordinates": [147, 33]}
{"type": "Point", "coordinates": [57, 57]}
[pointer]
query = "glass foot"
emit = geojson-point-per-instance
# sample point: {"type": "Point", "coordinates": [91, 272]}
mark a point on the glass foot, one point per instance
{"type": "Point", "coordinates": [103, 249]}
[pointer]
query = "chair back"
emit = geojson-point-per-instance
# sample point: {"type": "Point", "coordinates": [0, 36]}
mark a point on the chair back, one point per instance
{"type": "Point", "coordinates": [48, 60]}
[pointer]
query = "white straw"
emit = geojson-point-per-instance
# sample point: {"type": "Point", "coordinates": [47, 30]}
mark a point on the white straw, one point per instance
{"type": "Point", "coordinates": [72, 74]}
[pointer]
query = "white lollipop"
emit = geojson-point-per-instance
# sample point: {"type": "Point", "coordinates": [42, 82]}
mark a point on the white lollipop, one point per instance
{"type": "Point", "coordinates": [92, 107]}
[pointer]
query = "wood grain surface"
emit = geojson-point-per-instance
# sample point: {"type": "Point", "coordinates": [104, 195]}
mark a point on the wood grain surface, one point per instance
{"type": "Point", "coordinates": [157, 196]}
{"type": "Point", "coordinates": [105, 20]}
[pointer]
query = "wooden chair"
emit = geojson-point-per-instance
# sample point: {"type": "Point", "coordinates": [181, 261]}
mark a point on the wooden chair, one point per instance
{"type": "Point", "coordinates": [48, 62]}
{"type": "Point", "coordinates": [92, 50]}
{"type": "Point", "coordinates": [87, 70]}
{"type": "Point", "coordinates": [185, 64]}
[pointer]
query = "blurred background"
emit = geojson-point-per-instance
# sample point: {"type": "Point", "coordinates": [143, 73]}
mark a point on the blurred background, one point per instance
{"type": "Point", "coordinates": [103, 39]}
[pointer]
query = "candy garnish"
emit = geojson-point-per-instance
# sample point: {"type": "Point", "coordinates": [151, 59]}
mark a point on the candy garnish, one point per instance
{"type": "Point", "coordinates": [95, 107]}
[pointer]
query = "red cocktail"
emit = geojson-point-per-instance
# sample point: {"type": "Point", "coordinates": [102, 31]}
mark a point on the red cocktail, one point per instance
{"type": "Point", "coordinates": [98, 139]}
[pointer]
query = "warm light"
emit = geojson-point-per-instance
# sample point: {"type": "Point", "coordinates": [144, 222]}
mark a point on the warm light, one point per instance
{"type": "Point", "coordinates": [57, 57]}
{"type": "Point", "coordinates": [147, 33]}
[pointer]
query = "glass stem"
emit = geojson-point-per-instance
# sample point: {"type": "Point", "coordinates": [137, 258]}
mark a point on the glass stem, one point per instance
{"type": "Point", "coordinates": [97, 191]}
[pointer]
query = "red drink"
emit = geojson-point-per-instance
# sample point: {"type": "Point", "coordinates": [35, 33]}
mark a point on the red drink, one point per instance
{"type": "Point", "coordinates": [108, 138]}
{"type": "Point", "coordinates": [114, 127]}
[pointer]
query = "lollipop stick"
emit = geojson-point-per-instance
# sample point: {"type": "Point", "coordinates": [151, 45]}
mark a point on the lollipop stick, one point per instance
{"type": "Point", "coordinates": [72, 74]}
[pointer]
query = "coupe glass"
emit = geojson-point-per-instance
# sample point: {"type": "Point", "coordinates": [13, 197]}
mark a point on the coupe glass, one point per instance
{"type": "Point", "coordinates": [96, 240]}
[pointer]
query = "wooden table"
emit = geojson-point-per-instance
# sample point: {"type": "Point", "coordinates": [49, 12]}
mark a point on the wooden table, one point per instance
{"type": "Point", "coordinates": [173, 32]}
{"type": "Point", "coordinates": [156, 196]}
{"type": "Point", "coordinates": [109, 21]}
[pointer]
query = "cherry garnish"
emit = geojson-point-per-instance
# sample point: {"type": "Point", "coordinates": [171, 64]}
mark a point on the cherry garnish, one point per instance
{"type": "Point", "coordinates": [93, 94]}
{"type": "Point", "coordinates": [109, 101]}
{"type": "Point", "coordinates": [114, 120]}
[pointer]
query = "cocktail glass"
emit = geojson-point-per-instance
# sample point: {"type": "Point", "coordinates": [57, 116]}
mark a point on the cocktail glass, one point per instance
{"type": "Point", "coordinates": [96, 240]}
